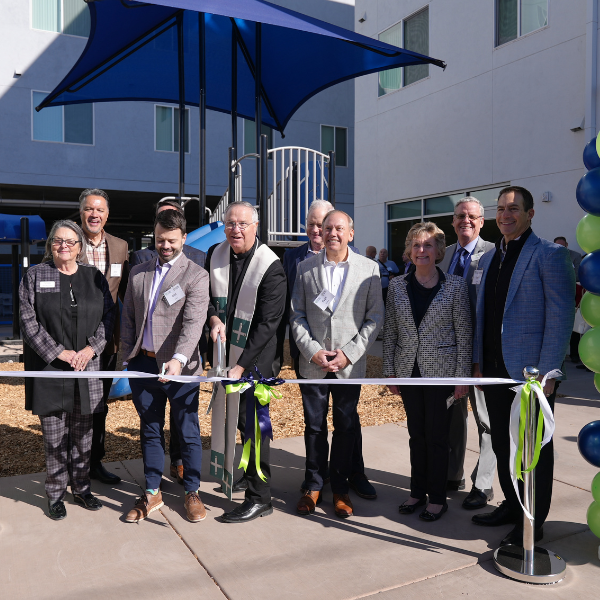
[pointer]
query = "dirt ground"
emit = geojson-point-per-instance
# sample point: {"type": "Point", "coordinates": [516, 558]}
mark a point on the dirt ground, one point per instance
{"type": "Point", "coordinates": [22, 450]}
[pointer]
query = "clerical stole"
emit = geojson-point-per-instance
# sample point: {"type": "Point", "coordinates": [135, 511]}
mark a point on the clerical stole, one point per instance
{"type": "Point", "coordinates": [226, 407]}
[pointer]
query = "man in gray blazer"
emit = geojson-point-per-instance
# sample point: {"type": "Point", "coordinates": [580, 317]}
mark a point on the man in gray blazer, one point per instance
{"type": "Point", "coordinates": [337, 311]}
{"type": "Point", "coordinates": [163, 314]}
{"type": "Point", "coordinates": [462, 259]}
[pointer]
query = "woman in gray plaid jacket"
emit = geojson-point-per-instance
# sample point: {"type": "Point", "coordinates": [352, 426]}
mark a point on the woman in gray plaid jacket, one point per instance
{"type": "Point", "coordinates": [67, 315]}
{"type": "Point", "coordinates": [427, 333]}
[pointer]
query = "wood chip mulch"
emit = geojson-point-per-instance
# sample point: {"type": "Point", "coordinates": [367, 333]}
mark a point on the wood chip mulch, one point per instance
{"type": "Point", "coordinates": [22, 450]}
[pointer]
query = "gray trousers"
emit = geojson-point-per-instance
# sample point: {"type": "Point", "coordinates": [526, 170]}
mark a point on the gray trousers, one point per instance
{"type": "Point", "coordinates": [485, 469]}
{"type": "Point", "coordinates": [68, 445]}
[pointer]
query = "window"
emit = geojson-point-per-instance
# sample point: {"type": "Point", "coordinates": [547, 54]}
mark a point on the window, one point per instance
{"type": "Point", "coordinates": [413, 34]}
{"type": "Point", "coordinates": [250, 136]}
{"type": "Point", "coordinates": [62, 16]}
{"type": "Point", "coordinates": [335, 139]}
{"type": "Point", "coordinates": [401, 216]}
{"type": "Point", "coordinates": [72, 124]}
{"type": "Point", "coordinates": [166, 130]}
{"type": "Point", "coordinates": [515, 18]}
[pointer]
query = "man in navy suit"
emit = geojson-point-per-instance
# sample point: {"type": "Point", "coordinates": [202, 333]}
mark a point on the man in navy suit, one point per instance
{"type": "Point", "coordinates": [525, 313]}
{"type": "Point", "coordinates": [314, 230]}
{"type": "Point", "coordinates": [197, 256]}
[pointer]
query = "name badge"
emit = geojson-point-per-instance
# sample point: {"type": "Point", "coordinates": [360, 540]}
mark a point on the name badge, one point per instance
{"type": "Point", "coordinates": [47, 284]}
{"type": "Point", "coordinates": [477, 275]}
{"type": "Point", "coordinates": [115, 270]}
{"type": "Point", "coordinates": [173, 295]}
{"type": "Point", "coordinates": [323, 299]}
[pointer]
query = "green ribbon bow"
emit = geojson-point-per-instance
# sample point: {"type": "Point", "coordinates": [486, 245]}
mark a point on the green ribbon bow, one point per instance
{"type": "Point", "coordinates": [525, 395]}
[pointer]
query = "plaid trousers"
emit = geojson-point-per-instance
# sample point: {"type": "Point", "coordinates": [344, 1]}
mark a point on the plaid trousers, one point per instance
{"type": "Point", "coordinates": [68, 445]}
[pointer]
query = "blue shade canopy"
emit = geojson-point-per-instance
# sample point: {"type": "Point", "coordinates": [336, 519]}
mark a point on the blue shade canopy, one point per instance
{"type": "Point", "coordinates": [132, 54]}
{"type": "Point", "coordinates": [10, 229]}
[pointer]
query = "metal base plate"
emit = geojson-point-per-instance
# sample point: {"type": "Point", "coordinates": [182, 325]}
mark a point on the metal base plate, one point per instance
{"type": "Point", "coordinates": [548, 567]}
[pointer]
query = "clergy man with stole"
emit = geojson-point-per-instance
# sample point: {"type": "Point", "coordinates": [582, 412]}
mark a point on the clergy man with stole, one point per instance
{"type": "Point", "coordinates": [247, 301]}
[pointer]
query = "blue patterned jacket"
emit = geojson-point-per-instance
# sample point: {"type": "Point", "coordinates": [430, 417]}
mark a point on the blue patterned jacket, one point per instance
{"type": "Point", "coordinates": [539, 311]}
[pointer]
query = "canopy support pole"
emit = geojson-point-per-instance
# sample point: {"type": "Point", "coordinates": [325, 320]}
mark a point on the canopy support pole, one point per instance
{"type": "Point", "coordinates": [181, 74]}
{"type": "Point", "coordinates": [202, 106]}
{"type": "Point", "coordinates": [233, 154]}
{"type": "Point", "coordinates": [258, 115]}
{"type": "Point", "coordinates": [15, 292]}
{"type": "Point", "coordinates": [262, 205]}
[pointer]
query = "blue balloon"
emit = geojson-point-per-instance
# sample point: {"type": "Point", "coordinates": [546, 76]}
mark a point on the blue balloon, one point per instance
{"type": "Point", "coordinates": [588, 442]}
{"type": "Point", "coordinates": [119, 388]}
{"type": "Point", "coordinates": [589, 272]}
{"type": "Point", "coordinates": [588, 192]}
{"type": "Point", "coordinates": [591, 160]}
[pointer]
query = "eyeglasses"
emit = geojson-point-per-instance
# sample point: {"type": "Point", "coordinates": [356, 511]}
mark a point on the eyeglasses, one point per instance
{"type": "Point", "coordinates": [469, 217]}
{"type": "Point", "coordinates": [58, 242]}
{"type": "Point", "coordinates": [230, 225]}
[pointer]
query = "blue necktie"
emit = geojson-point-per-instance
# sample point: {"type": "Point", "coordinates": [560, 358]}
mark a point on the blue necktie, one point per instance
{"type": "Point", "coordinates": [459, 268]}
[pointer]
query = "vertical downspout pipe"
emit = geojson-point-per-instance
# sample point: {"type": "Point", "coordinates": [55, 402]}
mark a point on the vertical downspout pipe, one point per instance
{"type": "Point", "coordinates": [591, 71]}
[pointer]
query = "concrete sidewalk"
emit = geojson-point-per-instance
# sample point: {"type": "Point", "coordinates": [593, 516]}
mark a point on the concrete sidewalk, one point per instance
{"type": "Point", "coordinates": [377, 552]}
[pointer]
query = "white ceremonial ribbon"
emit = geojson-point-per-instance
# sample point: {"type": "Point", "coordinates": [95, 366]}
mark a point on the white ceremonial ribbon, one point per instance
{"type": "Point", "coordinates": [515, 417]}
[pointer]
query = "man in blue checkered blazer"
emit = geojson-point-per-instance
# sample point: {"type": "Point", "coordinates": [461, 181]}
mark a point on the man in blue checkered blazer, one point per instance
{"type": "Point", "coordinates": [525, 313]}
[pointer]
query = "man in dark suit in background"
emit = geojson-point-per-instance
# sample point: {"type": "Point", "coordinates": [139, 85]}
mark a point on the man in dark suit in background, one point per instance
{"type": "Point", "coordinates": [462, 259]}
{"type": "Point", "coordinates": [291, 259]}
{"type": "Point", "coordinates": [197, 256]}
{"type": "Point", "coordinates": [109, 255]}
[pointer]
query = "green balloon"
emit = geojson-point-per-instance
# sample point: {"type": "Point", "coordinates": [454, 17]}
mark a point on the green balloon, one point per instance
{"type": "Point", "coordinates": [588, 233]}
{"type": "Point", "coordinates": [590, 309]}
{"type": "Point", "coordinates": [589, 349]}
{"type": "Point", "coordinates": [597, 381]}
{"type": "Point", "coordinates": [593, 518]}
{"type": "Point", "coordinates": [596, 488]}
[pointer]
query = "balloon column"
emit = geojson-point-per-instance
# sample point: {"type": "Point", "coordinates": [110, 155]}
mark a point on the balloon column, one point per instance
{"type": "Point", "coordinates": [588, 237]}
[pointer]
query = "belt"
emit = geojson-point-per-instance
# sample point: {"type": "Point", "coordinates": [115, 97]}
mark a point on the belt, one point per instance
{"type": "Point", "coordinates": [147, 353]}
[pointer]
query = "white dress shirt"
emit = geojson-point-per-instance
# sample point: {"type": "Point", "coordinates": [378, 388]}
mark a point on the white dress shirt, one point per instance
{"type": "Point", "coordinates": [335, 277]}
{"type": "Point", "coordinates": [470, 247]}
{"type": "Point", "coordinates": [160, 273]}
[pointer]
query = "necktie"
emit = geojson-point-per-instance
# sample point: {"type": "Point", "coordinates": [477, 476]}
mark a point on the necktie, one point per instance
{"type": "Point", "coordinates": [459, 268]}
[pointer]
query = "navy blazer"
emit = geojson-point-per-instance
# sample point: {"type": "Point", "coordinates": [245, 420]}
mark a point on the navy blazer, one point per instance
{"type": "Point", "coordinates": [291, 258]}
{"type": "Point", "coordinates": [539, 310]}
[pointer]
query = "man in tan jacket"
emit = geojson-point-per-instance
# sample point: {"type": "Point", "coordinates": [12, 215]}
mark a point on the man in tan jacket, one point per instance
{"type": "Point", "coordinates": [109, 254]}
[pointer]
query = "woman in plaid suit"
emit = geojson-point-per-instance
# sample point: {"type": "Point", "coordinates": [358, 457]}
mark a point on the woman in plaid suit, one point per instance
{"type": "Point", "coordinates": [427, 333]}
{"type": "Point", "coordinates": [67, 315]}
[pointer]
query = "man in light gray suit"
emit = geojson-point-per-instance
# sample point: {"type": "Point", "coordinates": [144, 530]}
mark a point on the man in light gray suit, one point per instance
{"type": "Point", "coordinates": [462, 259]}
{"type": "Point", "coordinates": [337, 311]}
{"type": "Point", "coordinates": [163, 314]}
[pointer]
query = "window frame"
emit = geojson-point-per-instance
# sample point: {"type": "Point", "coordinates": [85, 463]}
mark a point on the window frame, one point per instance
{"type": "Point", "coordinates": [173, 107]}
{"type": "Point", "coordinates": [61, 32]}
{"type": "Point", "coordinates": [33, 139]}
{"type": "Point", "coordinates": [334, 143]}
{"type": "Point", "coordinates": [402, 22]}
{"type": "Point", "coordinates": [519, 34]}
{"type": "Point", "coordinates": [270, 146]}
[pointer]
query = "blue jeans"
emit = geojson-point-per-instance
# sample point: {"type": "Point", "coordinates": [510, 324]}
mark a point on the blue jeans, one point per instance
{"type": "Point", "coordinates": [150, 399]}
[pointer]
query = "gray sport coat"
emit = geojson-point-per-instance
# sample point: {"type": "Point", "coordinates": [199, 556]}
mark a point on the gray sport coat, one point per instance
{"type": "Point", "coordinates": [354, 325]}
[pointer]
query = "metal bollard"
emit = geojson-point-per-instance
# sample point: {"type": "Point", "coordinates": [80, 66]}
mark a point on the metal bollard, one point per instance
{"type": "Point", "coordinates": [530, 564]}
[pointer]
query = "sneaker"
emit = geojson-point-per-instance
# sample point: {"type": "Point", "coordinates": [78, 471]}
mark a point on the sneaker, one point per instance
{"type": "Point", "coordinates": [144, 505]}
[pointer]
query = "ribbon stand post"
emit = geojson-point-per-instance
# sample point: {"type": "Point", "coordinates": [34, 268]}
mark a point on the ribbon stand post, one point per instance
{"type": "Point", "coordinates": [530, 563]}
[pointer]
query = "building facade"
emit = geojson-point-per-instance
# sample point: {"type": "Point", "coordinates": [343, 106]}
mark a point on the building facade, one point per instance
{"type": "Point", "coordinates": [515, 106]}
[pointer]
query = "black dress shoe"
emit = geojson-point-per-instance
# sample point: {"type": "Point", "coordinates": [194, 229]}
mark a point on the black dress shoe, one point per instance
{"type": "Point", "coordinates": [455, 486]}
{"type": "Point", "coordinates": [362, 486]}
{"type": "Point", "coordinates": [101, 474]}
{"type": "Point", "coordinates": [516, 536]}
{"type": "Point", "coordinates": [409, 509]}
{"type": "Point", "coordinates": [241, 485]}
{"type": "Point", "coordinates": [500, 516]}
{"type": "Point", "coordinates": [248, 511]}
{"type": "Point", "coordinates": [87, 501]}
{"type": "Point", "coordinates": [429, 516]}
{"type": "Point", "coordinates": [57, 510]}
{"type": "Point", "coordinates": [477, 499]}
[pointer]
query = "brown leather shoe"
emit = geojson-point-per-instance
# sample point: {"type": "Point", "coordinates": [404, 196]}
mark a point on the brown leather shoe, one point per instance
{"type": "Point", "coordinates": [342, 505]}
{"type": "Point", "coordinates": [194, 508]}
{"type": "Point", "coordinates": [308, 501]}
{"type": "Point", "coordinates": [177, 473]}
{"type": "Point", "coordinates": [144, 505]}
